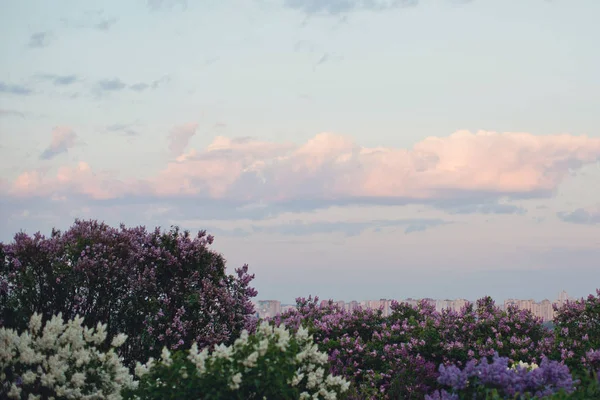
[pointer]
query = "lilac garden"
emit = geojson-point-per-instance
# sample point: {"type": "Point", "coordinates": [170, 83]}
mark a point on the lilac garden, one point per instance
{"type": "Point", "coordinates": [103, 312]}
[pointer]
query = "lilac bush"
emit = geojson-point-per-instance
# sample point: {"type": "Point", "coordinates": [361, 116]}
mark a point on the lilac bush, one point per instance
{"type": "Point", "coordinates": [158, 288]}
{"type": "Point", "coordinates": [397, 356]}
{"type": "Point", "coordinates": [577, 329]}
{"type": "Point", "coordinates": [497, 379]}
{"type": "Point", "coordinates": [271, 363]}
{"type": "Point", "coordinates": [482, 329]}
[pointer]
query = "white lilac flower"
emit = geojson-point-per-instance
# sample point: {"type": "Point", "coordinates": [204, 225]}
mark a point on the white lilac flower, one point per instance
{"type": "Point", "coordinates": [242, 340]}
{"type": "Point", "coordinates": [119, 340]}
{"type": "Point", "coordinates": [50, 333]}
{"type": "Point", "coordinates": [327, 395]}
{"type": "Point", "coordinates": [283, 337]}
{"type": "Point", "coordinates": [302, 333]}
{"type": "Point", "coordinates": [15, 392]}
{"type": "Point", "coordinates": [297, 378]}
{"type": "Point", "coordinates": [251, 360]}
{"type": "Point", "coordinates": [184, 373]}
{"type": "Point", "coordinates": [56, 351]}
{"type": "Point", "coordinates": [82, 357]}
{"type": "Point", "coordinates": [141, 369]}
{"type": "Point", "coordinates": [332, 380]}
{"type": "Point", "coordinates": [100, 335]}
{"type": "Point", "coordinates": [235, 381]}
{"type": "Point", "coordinates": [315, 378]}
{"type": "Point", "coordinates": [35, 323]}
{"type": "Point", "coordinates": [320, 358]}
{"type": "Point", "coordinates": [312, 381]}
{"type": "Point", "coordinates": [301, 356]}
{"type": "Point", "coordinates": [165, 356]}
{"type": "Point", "coordinates": [265, 328]}
{"type": "Point", "coordinates": [78, 379]}
{"type": "Point", "coordinates": [29, 377]}
{"type": "Point", "coordinates": [222, 351]}
{"type": "Point", "coordinates": [88, 334]}
{"type": "Point", "coordinates": [199, 359]}
{"type": "Point", "coordinates": [263, 346]}
{"type": "Point", "coordinates": [524, 365]}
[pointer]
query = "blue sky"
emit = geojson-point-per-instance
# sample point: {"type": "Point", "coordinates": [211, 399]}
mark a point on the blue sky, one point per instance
{"type": "Point", "coordinates": [349, 149]}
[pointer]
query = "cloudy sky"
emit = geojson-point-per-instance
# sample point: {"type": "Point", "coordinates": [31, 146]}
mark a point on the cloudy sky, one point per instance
{"type": "Point", "coordinates": [352, 149]}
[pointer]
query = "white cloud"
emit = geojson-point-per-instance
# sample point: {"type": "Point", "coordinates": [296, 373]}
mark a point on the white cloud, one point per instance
{"type": "Point", "coordinates": [333, 168]}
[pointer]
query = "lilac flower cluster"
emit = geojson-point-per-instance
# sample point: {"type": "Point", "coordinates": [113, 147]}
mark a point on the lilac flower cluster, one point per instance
{"type": "Point", "coordinates": [396, 356]}
{"type": "Point", "coordinates": [158, 288]}
{"type": "Point", "coordinates": [591, 361]}
{"type": "Point", "coordinates": [478, 377]}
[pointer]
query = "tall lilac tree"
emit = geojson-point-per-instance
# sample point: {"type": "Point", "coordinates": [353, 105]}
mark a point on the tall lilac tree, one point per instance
{"type": "Point", "coordinates": [161, 288]}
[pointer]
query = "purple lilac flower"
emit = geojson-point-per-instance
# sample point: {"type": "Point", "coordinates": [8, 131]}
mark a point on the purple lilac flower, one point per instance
{"type": "Point", "coordinates": [550, 377]}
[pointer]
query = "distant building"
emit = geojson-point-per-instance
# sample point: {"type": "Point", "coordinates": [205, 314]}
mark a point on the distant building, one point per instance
{"type": "Point", "coordinates": [546, 310]}
{"type": "Point", "coordinates": [353, 305]}
{"type": "Point", "coordinates": [268, 308]}
{"type": "Point", "coordinates": [287, 307]}
{"type": "Point", "coordinates": [543, 309]}
{"type": "Point", "coordinates": [458, 304]}
{"type": "Point", "coordinates": [454, 305]}
{"type": "Point", "coordinates": [563, 297]}
{"type": "Point", "coordinates": [374, 304]}
{"type": "Point", "coordinates": [411, 301]}
{"type": "Point", "coordinates": [443, 304]}
{"type": "Point", "coordinates": [385, 304]}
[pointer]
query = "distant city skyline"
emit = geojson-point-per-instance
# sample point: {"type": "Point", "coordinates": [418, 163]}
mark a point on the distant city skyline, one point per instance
{"type": "Point", "coordinates": [542, 309]}
{"type": "Point", "coordinates": [562, 296]}
{"type": "Point", "coordinates": [506, 288]}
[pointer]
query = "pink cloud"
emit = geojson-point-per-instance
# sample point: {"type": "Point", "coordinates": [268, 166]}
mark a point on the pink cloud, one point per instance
{"type": "Point", "coordinates": [333, 166]}
{"type": "Point", "coordinates": [63, 138]}
{"type": "Point", "coordinates": [180, 136]}
{"type": "Point", "coordinates": [79, 180]}
{"type": "Point", "coordinates": [213, 171]}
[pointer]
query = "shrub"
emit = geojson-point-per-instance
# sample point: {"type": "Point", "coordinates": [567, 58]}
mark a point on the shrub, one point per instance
{"type": "Point", "coordinates": [158, 288]}
{"type": "Point", "coordinates": [577, 330]}
{"type": "Point", "coordinates": [482, 329]}
{"type": "Point", "coordinates": [62, 360]}
{"type": "Point", "coordinates": [396, 356]}
{"type": "Point", "coordinates": [269, 364]}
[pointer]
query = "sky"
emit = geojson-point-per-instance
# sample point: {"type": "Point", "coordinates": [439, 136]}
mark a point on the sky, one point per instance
{"type": "Point", "coordinates": [349, 149]}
